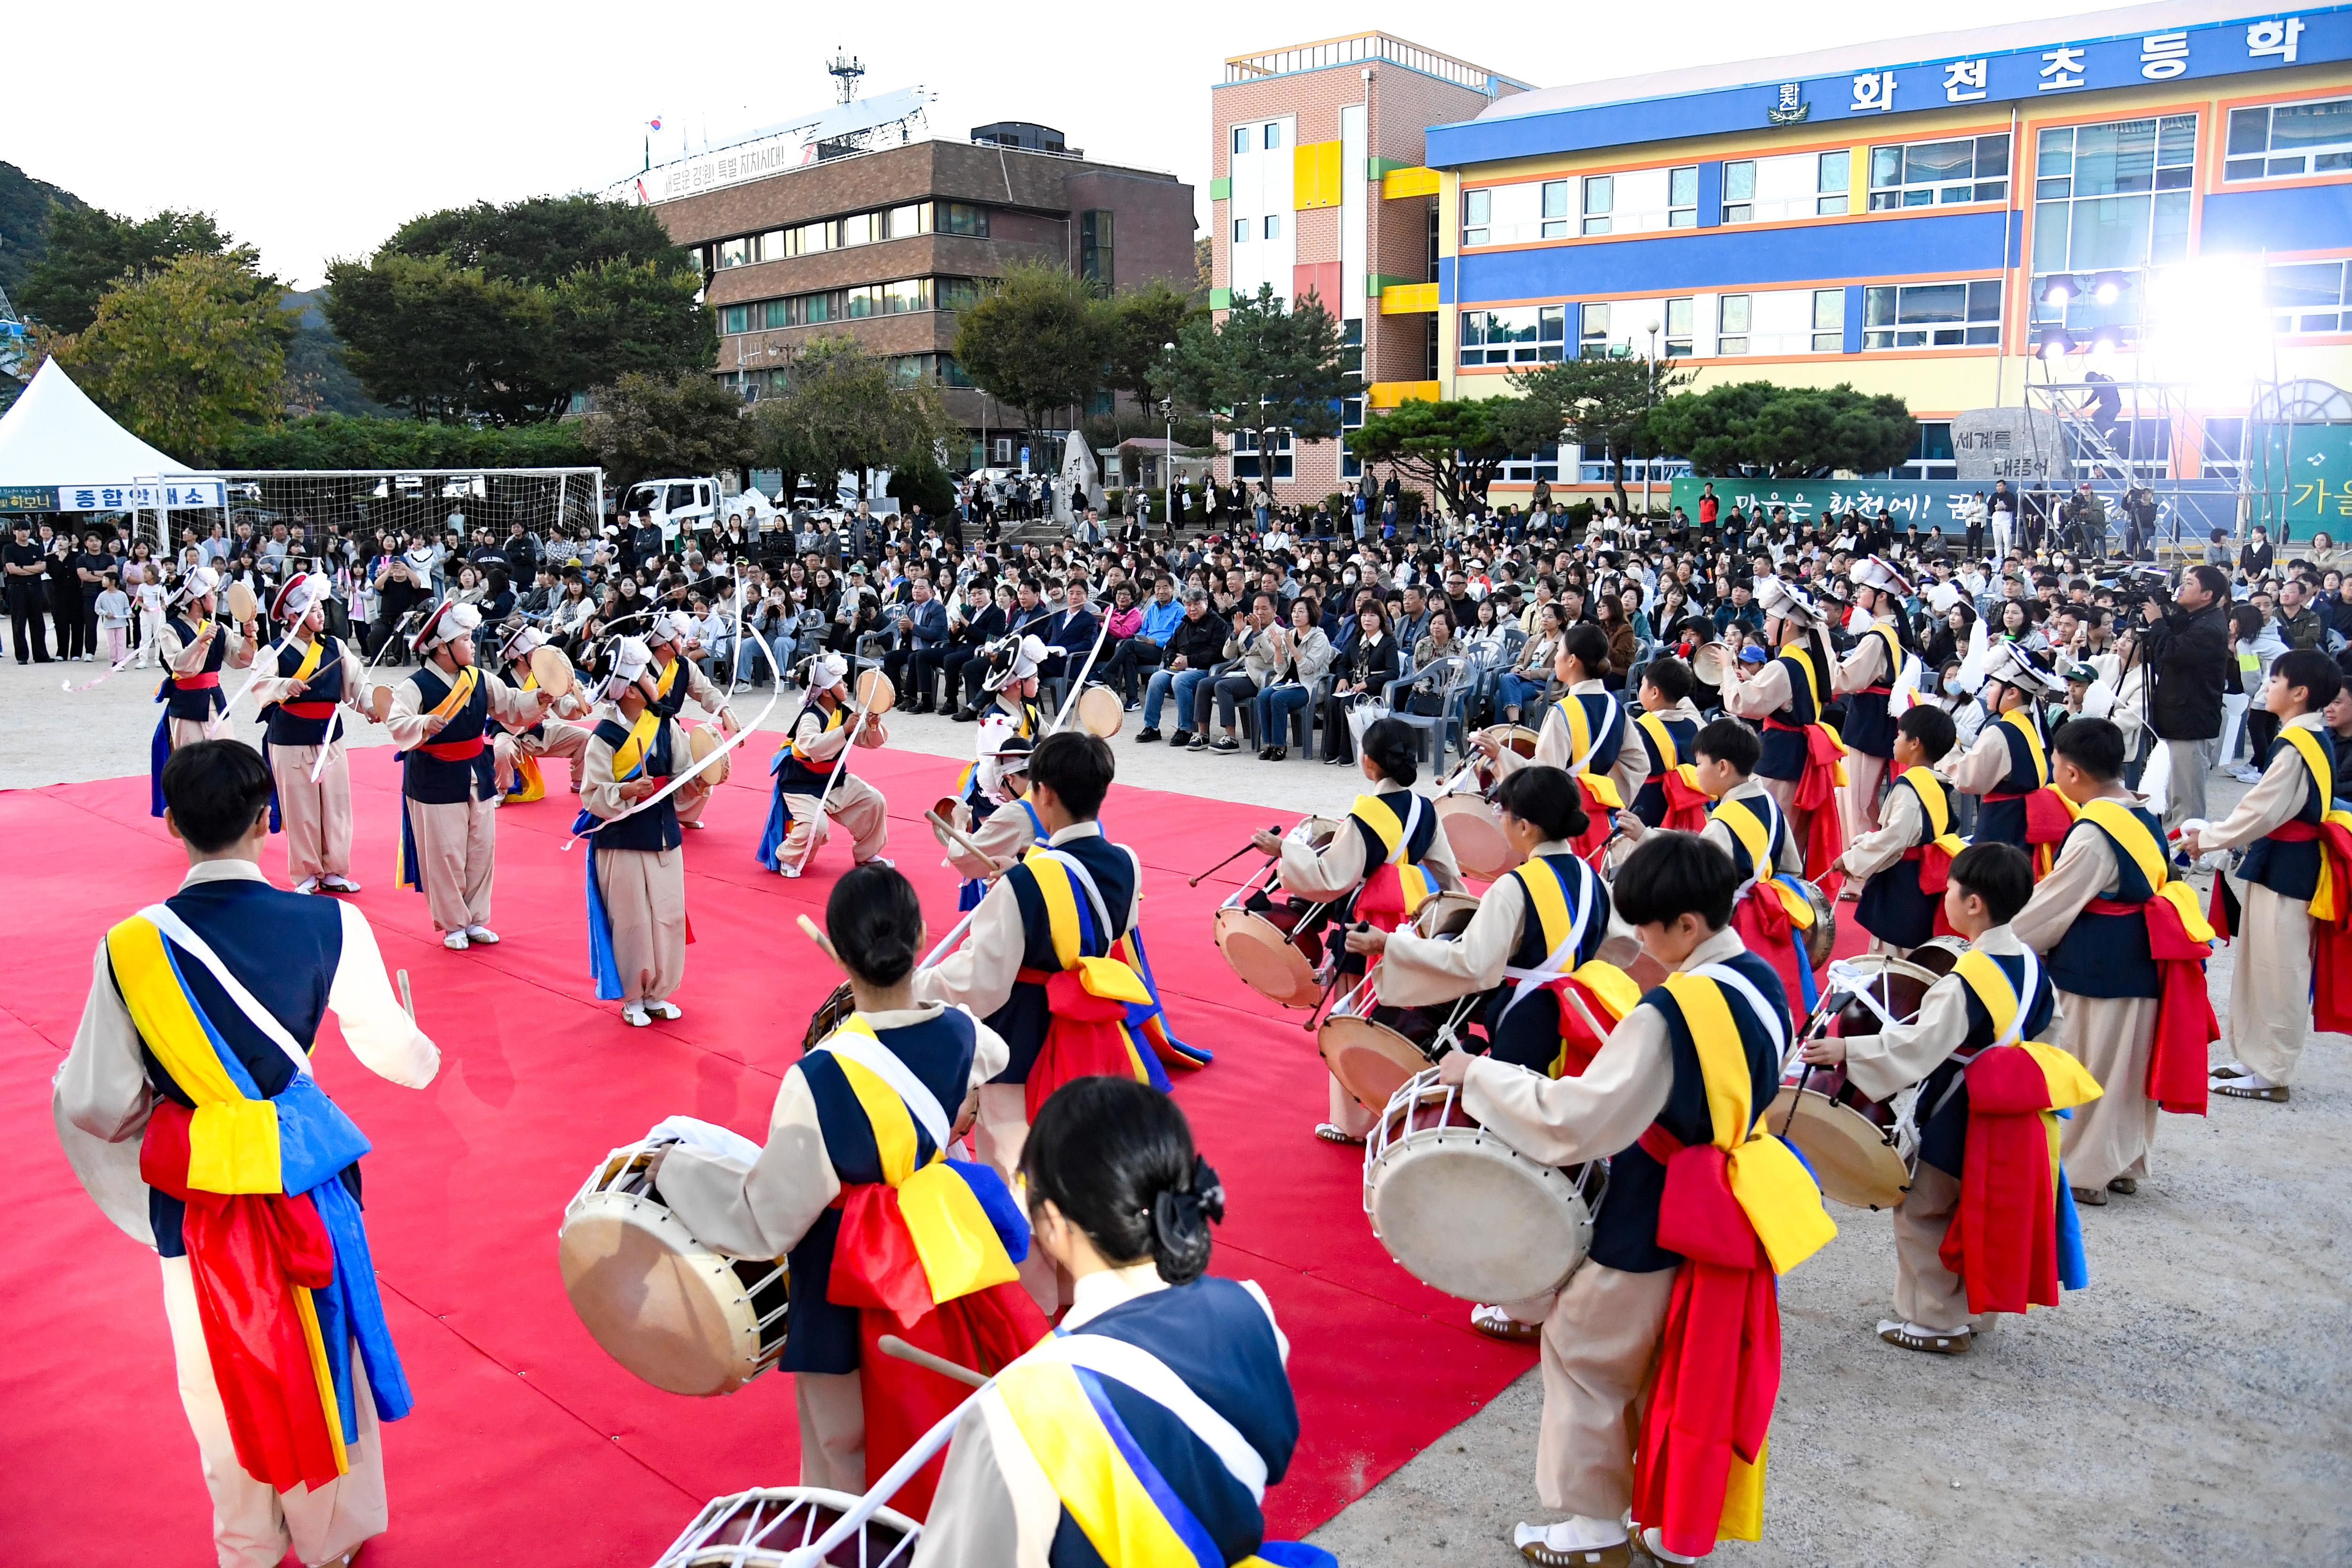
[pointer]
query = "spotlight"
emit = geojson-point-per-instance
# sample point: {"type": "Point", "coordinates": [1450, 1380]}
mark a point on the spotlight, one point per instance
{"type": "Point", "coordinates": [2108, 287]}
{"type": "Point", "coordinates": [2060, 289]}
{"type": "Point", "coordinates": [2056, 344]}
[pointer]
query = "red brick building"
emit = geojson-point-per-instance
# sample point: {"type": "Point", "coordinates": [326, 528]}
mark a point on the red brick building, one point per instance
{"type": "Point", "coordinates": [1320, 186]}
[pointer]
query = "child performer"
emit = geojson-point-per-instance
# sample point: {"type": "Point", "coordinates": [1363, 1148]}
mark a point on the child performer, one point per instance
{"type": "Point", "coordinates": [1585, 733]}
{"type": "Point", "coordinates": [1674, 1310]}
{"type": "Point", "coordinates": [193, 648]}
{"type": "Point", "coordinates": [192, 1073]}
{"type": "Point", "coordinates": [2008, 766]}
{"type": "Point", "coordinates": [669, 637]}
{"type": "Point", "coordinates": [804, 768]}
{"type": "Point", "coordinates": [2127, 945]}
{"type": "Point", "coordinates": [515, 753]}
{"type": "Point", "coordinates": [1008, 831]}
{"type": "Point", "coordinates": [1667, 726]}
{"type": "Point", "coordinates": [1542, 933]}
{"type": "Point", "coordinates": [1802, 760]}
{"type": "Point", "coordinates": [636, 873]}
{"type": "Point", "coordinates": [1867, 679]}
{"type": "Point", "coordinates": [1988, 1225]}
{"type": "Point", "coordinates": [1166, 1377]}
{"type": "Point", "coordinates": [312, 672]}
{"type": "Point", "coordinates": [2287, 868]}
{"type": "Point", "coordinates": [1908, 856]}
{"type": "Point", "coordinates": [855, 1191]}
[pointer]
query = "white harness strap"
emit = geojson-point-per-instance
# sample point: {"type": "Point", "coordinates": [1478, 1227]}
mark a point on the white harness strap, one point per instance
{"type": "Point", "coordinates": [1600, 731]}
{"type": "Point", "coordinates": [1775, 1021]}
{"type": "Point", "coordinates": [261, 1018]}
{"type": "Point", "coordinates": [1560, 958]}
{"type": "Point", "coordinates": [1149, 1375]}
{"type": "Point", "coordinates": [1775, 825]}
{"type": "Point", "coordinates": [881, 1062]}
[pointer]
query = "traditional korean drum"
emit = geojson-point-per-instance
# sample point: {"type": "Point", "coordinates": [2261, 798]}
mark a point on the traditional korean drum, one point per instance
{"type": "Point", "coordinates": [1474, 831]}
{"type": "Point", "coordinates": [765, 1528]}
{"type": "Point", "coordinates": [702, 740]}
{"type": "Point", "coordinates": [1465, 1213]}
{"type": "Point", "coordinates": [1851, 1142]}
{"type": "Point", "coordinates": [673, 1312]}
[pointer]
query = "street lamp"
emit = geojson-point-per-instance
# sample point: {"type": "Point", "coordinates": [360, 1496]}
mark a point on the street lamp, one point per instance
{"type": "Point", "coordinates": [1649, 396]}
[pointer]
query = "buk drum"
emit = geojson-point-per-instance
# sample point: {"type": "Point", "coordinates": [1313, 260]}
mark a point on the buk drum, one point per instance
{"type": "Point", "coordinates": [945, 808]}
{"type": "Point", "coordinates": [1465, 1213]}
{"type": "Point", "coordinates": [1374, 1055]}
{"type": "Point", "coordinates": [550, 668]}
{"type": "Point", "coordinates": [828, 1015]}
{"type": "Point", "coordinates": [765, 1529]}
{"type": "Point", "coordinates": [1859, 1149]}
{"type": "Point", "coordinates": [1100, 712]}
{"type": "Point", "coordinates": [1474, 831]}
{"type": "Point", "coordinates": [1444, 917]}
{"type": "Point", "coordinates": [662, 1304]}
{"type": "Point", "coordinates": [702, 740]}
{"type": "Point", "coordinates": [1270, 954]}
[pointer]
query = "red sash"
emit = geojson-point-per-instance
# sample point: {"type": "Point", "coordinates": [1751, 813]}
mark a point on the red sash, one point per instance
{"type": "Point", "coordinates": [1764, 927]}
{"type": "Point", "coordinates": [307, 710]}
{"type": "Point", "coordinates": [1718, 1367]}
{"type": "Point", "coordinates": [1686, 806]}
{"type": "Point", "coordinates": [1816, 795]}
{"type": "Point", "coordinates": [2185, 1024]}
{"type": "Point", "coordinates": [2002, 1240]}
{"type": "Point", "coordinates": [2331, 939]}
{"type": "Point", "coordinates": [2047, 821]}
{"type": "Point", "coordinates": [1600, 820]}
{"type": "Point", "coordinates": [204, 681]}
{"type": "Point", "coordinates": [1083, 1038]}
{"type": "Point", "coordinates": [452, 750]}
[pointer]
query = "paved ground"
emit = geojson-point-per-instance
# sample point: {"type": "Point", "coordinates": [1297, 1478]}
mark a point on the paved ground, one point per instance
{"type": "Point", "coordinates": [2191, 1407]}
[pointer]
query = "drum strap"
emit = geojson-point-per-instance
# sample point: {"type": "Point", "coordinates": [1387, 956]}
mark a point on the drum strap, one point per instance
{"type": "Point", "coordinates": [1773, 1020]}
{"type": "Point", "coordinates": [184, 937]}
{"type": "Point", "coordinates": [1551, 908]}
{"type": "Point", "coordinates": [1146, 1373]}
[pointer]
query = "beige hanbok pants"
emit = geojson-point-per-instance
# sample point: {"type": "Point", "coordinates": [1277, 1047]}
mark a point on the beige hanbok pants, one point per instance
{"type": "Point", "coordinates": [2270, 996]}
{"type": "Point", "coordinates": [457, 858]}
{"type": "Point", "coordinates": [854, 805]}
{"type": "Point", "coordinates": [253, 1522]}
{"type": "Point", "coordinates": [2114, 1039]}
{"type": "Point", "coordinates": [569, 741]}
{"type": "Point", "coordinates": [831, 1411]}
{"type": "Point", "coordinates": [645, 894]}
{"type": "Point", "coordinates": [1925, 1293]}
{"type": "Point", "coordinates": [1859, 799]}
{"type": "Point", "coordinates": [1598, 1345]}
{"type": "Point", "coordinates": [315, 818]}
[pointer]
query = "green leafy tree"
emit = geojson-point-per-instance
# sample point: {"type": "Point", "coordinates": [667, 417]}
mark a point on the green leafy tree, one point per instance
{"type": "Point", "coordinates": [25, 219]}
{"type": "Point", "coordinates": [1040, 339]}
{"type": "Point", "coordinates": [1144, 321]}
{"type": "Point", "coordinates": [1600, 404]}
{"type": "Point", "coordinates": [643, 425]}
{"type": "Point", "coordinates": [1267, 367]}
{"type": "Point", "coordinates": [90, 251]}
{"type": "Point", "coordinates": [1765, 430]}
{"type": "Point", "coordinates": [842, 410]}
{"type": "Point", "coordinates": [344, 440]}
{"type": "Point", "coordinates": [502, 313]}
{"type": "Point", "coordinates": [188, 356]}
{"type": "Point", "coordinates": [1453, 447]}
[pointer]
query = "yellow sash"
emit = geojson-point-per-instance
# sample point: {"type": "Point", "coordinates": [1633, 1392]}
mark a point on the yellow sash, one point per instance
{"type": "Point", "coordinates": [1656, 729]}
{"type": "Point", "coordinates": [1580, 745]}
{"type": "Point", "coordinates": [1894, 649]}
{"type": "Point", "coordinates": [1103, 975]}
{"type": "Point", "coordinates": [1936, 807]}
{"type": "Point", "coordinates": [630, 754]}
{"type": "Point", "coordinates": [232, 1141]}
{"type": "Point", "coordinates": [461, 692]}
{"type": "Point", "coordinates": [1748, 826]}
{"type": "Point", "coordinates": [833, 721]}
{"type": "Point", "coordinates": [1549, 899]}
{"type": "Point", "coordinates": [309, 664]}
{"type": "Point", "coordinates": [2021, 721]}
{"type": "Point", "coordinates": [1387, 825]}
{"type": "Point", "coordinates": [2070, 1085]}
{"type": "Point", "coordinates": [2327, 896]}
{"type": "Point", "coordinates": [954, 1238]}
{"type": "Point", "coordinates": [668, 678]}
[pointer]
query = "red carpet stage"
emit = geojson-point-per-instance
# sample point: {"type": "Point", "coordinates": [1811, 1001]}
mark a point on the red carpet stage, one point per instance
{"type": "Point", "coordinates": [527, 1443]}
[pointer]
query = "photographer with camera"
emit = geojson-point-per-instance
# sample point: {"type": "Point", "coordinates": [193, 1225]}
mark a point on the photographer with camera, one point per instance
{"type": "Point", "coordinates": [2187, 642]}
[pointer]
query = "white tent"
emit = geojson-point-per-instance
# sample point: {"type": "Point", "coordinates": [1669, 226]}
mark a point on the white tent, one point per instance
{"type": "Point", "coordinates": [55, 435]}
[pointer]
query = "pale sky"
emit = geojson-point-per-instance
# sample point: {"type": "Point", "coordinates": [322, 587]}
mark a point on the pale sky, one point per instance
{"type": "Point", "coordinates": [311, 131]}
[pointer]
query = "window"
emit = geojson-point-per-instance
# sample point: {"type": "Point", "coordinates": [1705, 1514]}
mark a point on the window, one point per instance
{"type": "Point", "coordinates": [1527, 467]}
{"type": "Point", "coordinates": [735, 252]}
{"type": "Point", "coordinates": [812, 239]}
{"type": "Point", "coordinates": [1640, 201]}
{"type": "Point", "coordinates": [1940, 173]}
{"type": "Point", "coordinates": [901, 223]}
{"type": "Point", "coordinates": [912, 294]}
{"type": "Point", "coordinates": [960, 219]}
{"type": "Point", "coordinates": [1272, 138]}
{"type": "Point", "coordinates": [1351, 346]}
{"type": "Point", "coordinates": [775, 245]}
{"type": "Point", "coordinates": [1593, 331]}
{"type": "Point", "coordinates": [1600, 196]}
{"type": "Point", "coordinates": [1352, 417]}
{"type": "Point", "coordinates": [1931, 315]}
{"type": "Point", "coordinates": [2114, 196]}
{"type": "Point", "coordinates": [1245, 454]}
{"type": "Point", "coordinates": [1095, 247]}
{"type": "Point", "coordinates": [1240, 137]}
{"type": "Point", "coordinates": [2289, 138]}
{"type": "Point", "coordinates": [1785, 321]}
{"type": "Point", "coordinates": [1680, 316]}
{"type": "Point", "coordinates": [1003, 450]}
{"type": "Point", "coordinates": [1931, 453]}
{"type": "Point", "coordinates": [1273, 226]}
{"type": "Point", "coordinates": [735, 318]}
{"type": "Point", "coordinates": [859, 228]}
{"type": "Point", "coordinates": [863, 300]}
{"type": "Point", "coordinates": [1797, 185]}
{"type": "Point", "coordinates": [1681, 197]}
{"type": "Point", "coordinates": [2308, 297]}
{"type": "Point", "coordinates": [1241, 231]}
{"type": "Point", "coordinates": [1524, 335]}
{"type": "Point", "coordinates": [956, 293]}
{"type": "Point", "coordinates": [1512, 215]}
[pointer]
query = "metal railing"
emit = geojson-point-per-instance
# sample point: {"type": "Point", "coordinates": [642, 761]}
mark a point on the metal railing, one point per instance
{"type": "Point", "coordinates": [1364, 46]}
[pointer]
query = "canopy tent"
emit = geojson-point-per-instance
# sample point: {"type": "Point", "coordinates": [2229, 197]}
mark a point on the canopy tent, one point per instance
{"type": "Point", "coordinates": [59, 451]}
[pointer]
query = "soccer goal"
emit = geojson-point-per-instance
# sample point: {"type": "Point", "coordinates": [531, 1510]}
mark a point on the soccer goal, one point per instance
{"type": "Point", "coordinates": [475, 503]}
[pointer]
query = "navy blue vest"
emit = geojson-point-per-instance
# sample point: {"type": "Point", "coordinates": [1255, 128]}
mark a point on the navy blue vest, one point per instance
{"type": "Point", "coordinates": [1626, 1234]}
{"type": "Point", "coordinates": [2108, 954]}
{"type": "Point", "coordinates": [1892, 908]}
{"type": "Point", "coordinates": [1530, 1036]}
{"type": "Point", "coordinates": [1650, 800]}
{"type": "Point", "coordinates": [428, 779]}
{"type": "Point", "coordinates": [1021, 1020]}
{"type": "Point", "coordinates": [1417, 845]}
{"type": "Point", "coordinates": [326, 686]}
{"type": "Point", "coordinates": [2291, 870]}
{"type": "Point", "coordinates": [1785, 750]}
{"type": "Point", "coordinates": [795, 777]}
{"type": "Point", "coordinates": [1943, 1114]}
{"type": "Point", "coordinates": [819, 1335]}
{"type": "Point", "coordinates": [1869, 728]}
{"type": "Point", "coordinates": [198, 702]}
{"type": "Point", "coordinates": [672, 703]}
{"type": "Point", "coordinates": [655, 827]}
{"type": "Point", "coordinates": [1217, 1339]}
{"type": "Point", "coordinates": [282, 947]}
{"type": "Point", "coordinates": [2004, 821]}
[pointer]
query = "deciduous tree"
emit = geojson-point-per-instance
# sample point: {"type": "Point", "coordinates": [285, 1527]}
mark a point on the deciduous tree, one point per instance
{"type": "Point", "coordinates": [1762, 429]}
{"type": "Point", "coordinates": [1600, 404]}
{"type": "Point", "coordinates": [1040, 339]}
{"type": "Point", "coordinates": [1454, 446]}
{"type": "Point", "coordinates": [643, 425]}
{"type": "Point", "coordinates": [90, 251]}
{"type": "Point", "coordinates": [1269, 366]}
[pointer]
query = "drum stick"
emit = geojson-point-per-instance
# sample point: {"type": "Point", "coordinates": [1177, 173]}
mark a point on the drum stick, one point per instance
{"type": "Point", "coordinates": [819, 1552]}
{"type": "Point", "coordinates": [973, 850]}
{"type": "Point", "coordinates": [950, 940]}
{"type": "Point", "coordinates": [408, 1001]}
{"type": "Point", "coordinates": [814, 933]}
{"type": "Point", "coordinates": [892, 1345]}
{"type": "Point", "coordinates": [1079, 684]}
{"type": "Point", "coordinates": [1271, 828]}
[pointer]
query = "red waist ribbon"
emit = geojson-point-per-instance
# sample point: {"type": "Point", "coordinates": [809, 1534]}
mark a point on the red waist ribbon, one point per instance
{"type": "Point", "coordinates": [247, 1253]}
{"type": "Point", "coordinates": [1816, 795]}
{"type": "Point", "coordinates": [1686, 806]}
{"type": "Point", "coordinates": [452, 750]}
{"type": "Point", "coordinates": [204, 681]}
{"type": "Point", "coordinates": [875, 1270]}
{"type": "Point", "coordinates": [2331, 938]}
{"type": "Point", "coordinates": [1600, 820]}
{"type": "Point", "coordinates": [2002, 1240]}
{"type": "Point", "coordinates": [2185, 1024]}
{"type": "Point", "coordinates": [1084, 1036]}
{"type": "Point", "coordinates": [317, 710]}
{"type": "Point", "coordinates": [1718, 1369]}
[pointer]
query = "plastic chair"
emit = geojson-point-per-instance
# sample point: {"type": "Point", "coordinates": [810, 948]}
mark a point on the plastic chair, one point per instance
{"type": "Point", "coordinates": [1450, 680]}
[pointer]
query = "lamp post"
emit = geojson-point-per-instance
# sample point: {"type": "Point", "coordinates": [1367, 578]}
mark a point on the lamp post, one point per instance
{"type": "Point", "coordinates": [1649, 396]}
{"type": "Point", "coordinates": [1168, 453]}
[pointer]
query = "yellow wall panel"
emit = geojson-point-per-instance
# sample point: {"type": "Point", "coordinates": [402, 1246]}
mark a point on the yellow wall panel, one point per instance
{"type": "Point", "coordinates": [1315, 174]}
{"type": "Point", "coordinates": [1408, 298]}
{"type": "Point", "coordinates": [1400, 182]}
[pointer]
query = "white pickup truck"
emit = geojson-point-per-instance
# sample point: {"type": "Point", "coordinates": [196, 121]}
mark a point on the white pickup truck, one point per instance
{"type": "Point", "coordinates": [693, 506]}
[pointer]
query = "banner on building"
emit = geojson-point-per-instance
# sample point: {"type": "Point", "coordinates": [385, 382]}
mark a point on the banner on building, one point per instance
{"type": "Point", "coordinates": [2189, 509]}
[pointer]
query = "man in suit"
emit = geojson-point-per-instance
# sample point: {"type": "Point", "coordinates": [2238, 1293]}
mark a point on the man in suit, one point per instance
{"type": "Point", "coordinates": [919, 644]}
{"type": "Point", "coordinates": [1070, 634]}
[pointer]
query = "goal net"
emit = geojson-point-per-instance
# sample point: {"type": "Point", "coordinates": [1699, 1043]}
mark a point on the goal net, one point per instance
{"type": "Point", "coordinates": [476, 503]}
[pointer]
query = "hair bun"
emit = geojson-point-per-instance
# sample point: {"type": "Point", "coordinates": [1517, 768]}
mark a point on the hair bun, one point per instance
{"type": "Point", "coordinates": [1180, 1224]}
